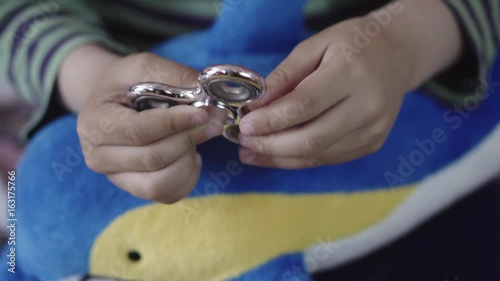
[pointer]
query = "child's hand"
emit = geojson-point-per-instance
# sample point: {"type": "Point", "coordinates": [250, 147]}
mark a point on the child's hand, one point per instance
{"type": "Point", "coordinates": [326, 107]}
{"type": "Point", "coordinates": [150, 154]}
{"type": "Point", "coordinates": [333, 100]}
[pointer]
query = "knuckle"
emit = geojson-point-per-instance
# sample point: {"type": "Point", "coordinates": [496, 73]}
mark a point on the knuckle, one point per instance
{"type": "Point", "coordinates": [340, 64]}
{"type": "Point", "coordinates": [313, 160]}
{"type": "Point", "coordinates": [358, 69]}
{"type": "Point", "coordinates": [135, 136]}
{"type": "Point", "coordinates": [80, 132]}
{"type": "Point", "coordinates": [376, 132]}
{"type": "Point", "coordinates": [80, 126]}
{"type": "Point", "coordinates": [152, 161]}
{"type": "Point", "coordinates": [152, 190]}
{"type": "Point", "coordinates": [305, 104]}
{"type": "Point", "coordinates": [187, 76]}
{"type": "Point", "coordinates": [143, 64]}
{"type": "Point", "coordinates": [274, 122]}
{"type": "Point", "coordinates": [372, 148]}
{"type": "Point", "coordinates": [262, 146]}
{"type": "Point", "coordinates": [93, 163]}
{"type": "Point", "coordinates": [301, 49]}
{"type": "Point", "coordinates": [84, 139]}
{"type": "Point", "coordinates": [170, 199]}
{"type": "Point", "coordinates": [377, 106]}
{"type": "Point", "coordinates": [81, 129]}
{"type": "Point", "coordinates": [171, 126]}
{"type": "Point", "coordinates": [280, 75]}
{"type": "Point", "coordinates": [143, 59]}
{"type": "Point", "coordinates": [374, 109]}
{"type": "Point", "coordinates": [309, 146]}
{"type": "Point", "coordinates": [189, 143]}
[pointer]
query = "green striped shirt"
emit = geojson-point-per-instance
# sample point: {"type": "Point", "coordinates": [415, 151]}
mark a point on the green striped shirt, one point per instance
{"type": "Point", "coordinates": [36, 36]}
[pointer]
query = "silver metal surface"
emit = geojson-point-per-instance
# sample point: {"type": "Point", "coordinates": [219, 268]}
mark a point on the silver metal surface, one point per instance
{"type": "Point", "coordinates": [232, 113]}
{"type": "Point", "coordinates": [226, 87]}
{"type": "Point", "coordinates": [153, 94]}
{"type": "Point", "coordinates": [232, 84]}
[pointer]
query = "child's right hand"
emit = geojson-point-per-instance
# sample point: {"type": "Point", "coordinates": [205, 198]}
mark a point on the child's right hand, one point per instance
{"type": "Point", "coordinates": [151, 154]}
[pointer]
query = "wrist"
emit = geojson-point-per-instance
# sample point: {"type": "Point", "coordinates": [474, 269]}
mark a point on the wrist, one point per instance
{"type": "Point", "coordinates": [423, 37]}
{"type": "Point", "coordinates": [80, 71]}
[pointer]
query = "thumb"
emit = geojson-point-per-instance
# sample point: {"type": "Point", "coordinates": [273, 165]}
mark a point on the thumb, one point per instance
{"type": "Point", "coordinates": [301, 62]}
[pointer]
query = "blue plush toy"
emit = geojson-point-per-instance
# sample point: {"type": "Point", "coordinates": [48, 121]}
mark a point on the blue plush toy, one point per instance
{"type": "Point", "coordinates": [242, 222]}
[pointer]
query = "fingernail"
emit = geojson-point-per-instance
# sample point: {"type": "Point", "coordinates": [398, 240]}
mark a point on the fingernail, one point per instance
{"type": "Point", "coordinates": [198, 160]}
{"type": "Point", "coordinates": [247, 129]}
{"type": "Point", "coordinates": [244, 141]}
{"type": "Point", "coordinates": [214, 130]}
{"type": "Point", "coordinates": [199, 119]}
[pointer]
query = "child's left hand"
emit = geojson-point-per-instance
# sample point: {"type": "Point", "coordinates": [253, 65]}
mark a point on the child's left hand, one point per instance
{"type": "Point", "coordinates": [333, 101]}
{"type": "Point", "coordinates": [326, 105]}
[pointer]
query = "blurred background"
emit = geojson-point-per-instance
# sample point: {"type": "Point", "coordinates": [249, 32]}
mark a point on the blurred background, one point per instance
{"type": "Point", "coordinates": [13, 115]}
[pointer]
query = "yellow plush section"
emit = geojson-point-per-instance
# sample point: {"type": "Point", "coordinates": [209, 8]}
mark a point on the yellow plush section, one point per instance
{"type": "Point", "coordinates": [214, 238]}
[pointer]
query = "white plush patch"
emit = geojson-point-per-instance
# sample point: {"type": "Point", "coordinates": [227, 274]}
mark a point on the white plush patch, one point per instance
{"type": "Point", "coordinates": [433, 195]}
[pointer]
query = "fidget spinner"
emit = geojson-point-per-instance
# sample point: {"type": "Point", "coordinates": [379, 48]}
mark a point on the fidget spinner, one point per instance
{"type": "Point", "coordinates": [227, 87]}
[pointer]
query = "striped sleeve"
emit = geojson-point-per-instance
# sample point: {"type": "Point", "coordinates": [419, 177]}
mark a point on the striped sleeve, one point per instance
{"type": "Point", "coordinates": [35, 37]}
{"type": "Point", "coordinates": [479, 21]}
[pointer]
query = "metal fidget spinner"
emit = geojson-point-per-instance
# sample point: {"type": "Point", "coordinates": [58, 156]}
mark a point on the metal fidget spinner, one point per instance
{"type": "Point", "coordinates": [226, 87]}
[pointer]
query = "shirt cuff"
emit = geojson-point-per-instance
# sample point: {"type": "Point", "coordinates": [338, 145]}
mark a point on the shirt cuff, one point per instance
{"type": "Point", "coordinates": [479, 23]}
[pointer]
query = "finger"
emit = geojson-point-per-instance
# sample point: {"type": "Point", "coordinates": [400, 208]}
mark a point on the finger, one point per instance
{"type": "Point", "coordinates": [354, 146]}
{"type": "Point", "coordinates": [153, 157]}
{"type": "Point", "coordinates": [168, 185]}
{"type": "Point", "coordinates": [304, 103]}
{"type": "Point", "coordinates": [314, 136]}
{"type": "Point", "coordinates": [301, 62]}
{"type": "Point", "coordinates": [113, 124]}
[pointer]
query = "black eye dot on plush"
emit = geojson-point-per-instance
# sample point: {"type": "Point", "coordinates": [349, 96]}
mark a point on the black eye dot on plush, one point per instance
{"type": "Point", "coordinates": [134, 256]}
